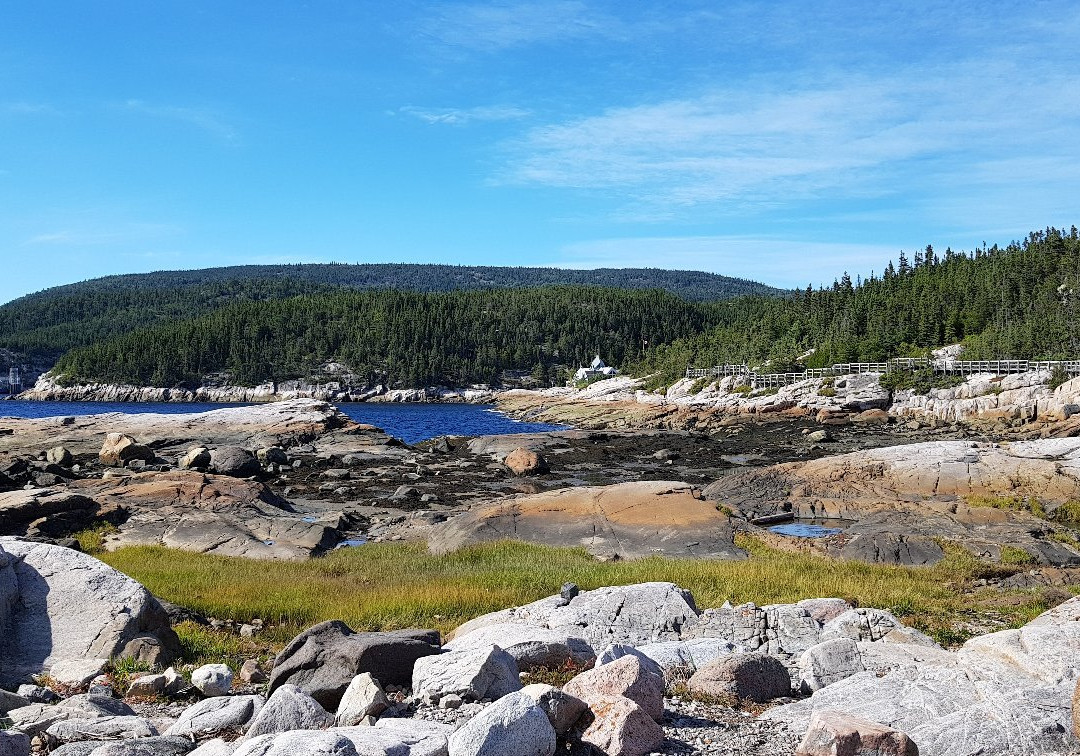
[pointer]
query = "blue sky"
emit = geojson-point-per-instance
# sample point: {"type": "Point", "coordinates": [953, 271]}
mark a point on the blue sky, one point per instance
{"type": "Point", "coordinates": [780, 141]}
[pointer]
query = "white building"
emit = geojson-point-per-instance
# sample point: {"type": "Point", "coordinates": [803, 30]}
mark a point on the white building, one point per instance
{"type": "Point", "coordinates": [595, 369]}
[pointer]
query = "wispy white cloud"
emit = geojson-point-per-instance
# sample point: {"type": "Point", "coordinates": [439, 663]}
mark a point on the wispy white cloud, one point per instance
{"type": "Point", "coordinates": [28, 108]}
{"type": "Point", "coordinates": [86, 235]}
{"type": "Point", "coordinates": [201, 118]}
{"type": "Point", "coordinates": [769, 143]}
{"type": "Point", "coordinates": [462, 116]}
{"type": "Point", "coordinates": [500, 26]}
{"type": "Point", "coordinates": [780, 262]}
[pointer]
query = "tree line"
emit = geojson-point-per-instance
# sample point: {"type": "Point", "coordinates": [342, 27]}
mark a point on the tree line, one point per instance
{"type": "Point", "coordinates": [53, 321]}
{"type": "Point", "coordinates": [1018, 301]}
{"type": "Point", "coordinates": [396, 337]}
{"type": "Point", "coordinates": [1021, 301]}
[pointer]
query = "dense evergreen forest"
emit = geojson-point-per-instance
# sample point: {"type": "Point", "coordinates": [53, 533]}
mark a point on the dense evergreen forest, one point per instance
{"type": "Point", "coordinates": [55, 320]}
{"type": "Point", "coordinates": [398, 338]}
{"type": "Point", "coordinates": [1020, 302]}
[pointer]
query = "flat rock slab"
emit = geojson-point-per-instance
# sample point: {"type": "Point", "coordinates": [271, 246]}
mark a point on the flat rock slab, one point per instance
{"type": "Point", "coordinates": [626, 521]}
{"type": "Point", "coordinates": [270, 424]}
{"type": "Point", "coordinates": [902, 498]}
{"type": "Point", "coordinates": [215, 514]}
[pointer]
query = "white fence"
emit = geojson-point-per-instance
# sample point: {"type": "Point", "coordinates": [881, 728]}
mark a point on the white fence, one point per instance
{"type": "Point", "coordinates": [962, 367]}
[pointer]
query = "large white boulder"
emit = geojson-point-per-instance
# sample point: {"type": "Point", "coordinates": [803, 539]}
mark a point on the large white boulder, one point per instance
{"type": "Point", "coordinates": [512, 725]}
{"type": "Point", "coordinates": [70, 607]}
{"type": "Point", "coordinates": [632, 614]}
{"type": "Point", "coordinates": [474, 675]}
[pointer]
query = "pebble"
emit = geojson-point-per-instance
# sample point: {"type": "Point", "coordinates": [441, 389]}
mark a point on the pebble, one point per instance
{"type": "Point", "coordinates": [692, 727]}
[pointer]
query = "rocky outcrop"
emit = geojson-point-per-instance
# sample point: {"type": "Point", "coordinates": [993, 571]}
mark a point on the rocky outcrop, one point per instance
{"type": "Point", "coordinates": [60, 605]}
{"type": "Point", "coordinates": [902, 500]}
{"type": "Point", "coordinates": [1004, 693]}
{"type": "Point", "coordinates": [286, 423]}
{"type": "Point", "coordinates": [625, 521]}
{"type": "Point", "coordinates": [690, 403]}
{"type": "Point", "coordinates": [621, 402]}
{"type": "Point", "coordinates": [1021, 396]}
{"type": "Point", "coordinates": [346, 388]}
{"type": "Point", "coordinates": [199, 512]}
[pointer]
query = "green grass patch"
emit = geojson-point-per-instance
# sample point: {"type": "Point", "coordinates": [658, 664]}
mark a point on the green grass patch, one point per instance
{"type": "Point", "coordinates": [387, 586]}
{"type": "Point", "coordinates": [1028, 504]}
{"type": "Point", "coordinates": [742, 388]}
{"type": "Point", "coordinates": [1068, 513]}
{"type": "Point", "coordinates": [92, 539]}
{"type": "Point", "coordinates": [1066, 537]}
{"type": "Point", "coordinates": [203, 645]}
{"type": "Point", "coordinates": [123, 670]}
{"type": "Point", "coordinates": [1016, 557]}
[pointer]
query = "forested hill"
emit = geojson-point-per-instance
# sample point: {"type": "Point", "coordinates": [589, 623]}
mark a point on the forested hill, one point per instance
{"type": "Point", "coordinates": [396, 338]}
{"type": "Point", "coordinates": [52, 321]}
{"type": "Point", "coordinates": [1020, 301]}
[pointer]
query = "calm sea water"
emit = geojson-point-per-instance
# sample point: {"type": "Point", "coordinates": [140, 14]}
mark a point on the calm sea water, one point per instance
{"type": "Point", "coordinates": [409, 422]}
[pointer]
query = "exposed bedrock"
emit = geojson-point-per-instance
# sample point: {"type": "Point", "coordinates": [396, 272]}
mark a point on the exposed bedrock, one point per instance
{"type": "Point", "coordinates": [180, 508]}
{"type": "Point", "coordinates": [903, 500]}
{"type": "Point", "coordinates": [627, 521]}
{"type": "Point", "coordinates": [280, 423]}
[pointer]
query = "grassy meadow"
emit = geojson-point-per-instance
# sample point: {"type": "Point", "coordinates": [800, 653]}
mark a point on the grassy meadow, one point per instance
{"type": "Point", "coordinates": [395, 585]}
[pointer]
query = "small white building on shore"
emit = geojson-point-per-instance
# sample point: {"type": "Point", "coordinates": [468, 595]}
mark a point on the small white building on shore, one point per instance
{"type": "Point", "coordinates": [596, 369]}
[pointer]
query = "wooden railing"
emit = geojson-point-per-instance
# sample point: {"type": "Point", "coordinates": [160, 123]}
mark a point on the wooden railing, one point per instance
{"type": "Point", "coordinates": [962, 367]}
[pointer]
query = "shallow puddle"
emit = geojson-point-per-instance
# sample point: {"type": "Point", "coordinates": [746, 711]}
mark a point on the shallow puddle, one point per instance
{"type": "Point", "coordinates": [810, 528]}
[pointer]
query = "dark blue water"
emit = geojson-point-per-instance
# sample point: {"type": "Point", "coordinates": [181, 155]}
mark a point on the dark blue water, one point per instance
{"type": "Point", "coordinates": [409, 422]}
{"type": "Point", "coordinates": [418, 422]}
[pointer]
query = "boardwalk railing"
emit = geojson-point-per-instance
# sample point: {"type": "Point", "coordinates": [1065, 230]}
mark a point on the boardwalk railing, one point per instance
{"type": "Point", "coordinates": [962, 367]}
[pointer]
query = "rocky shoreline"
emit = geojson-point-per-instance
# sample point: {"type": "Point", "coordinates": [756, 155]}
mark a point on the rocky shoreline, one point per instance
{"type": "Point", "coordinates": [287, 480]}
{"type": "Point", "coordinates": [983, 401]}
{"type": "Point", "coordinates": [641, 669]}
{"type": "Point", "coordinates": [48, 389]}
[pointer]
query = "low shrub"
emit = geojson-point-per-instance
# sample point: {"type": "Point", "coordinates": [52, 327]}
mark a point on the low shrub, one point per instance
{"type": "Point", "coordinates": [1058, 376]}
{"type": "Point", "coordinates": [1067, 513]}
{"type": "Point", "coordinates": [1015, 557]}
{"type": "Point", "coordinates": [697, 386]}
{"type": "Point", "coordinates": [918, 381]}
